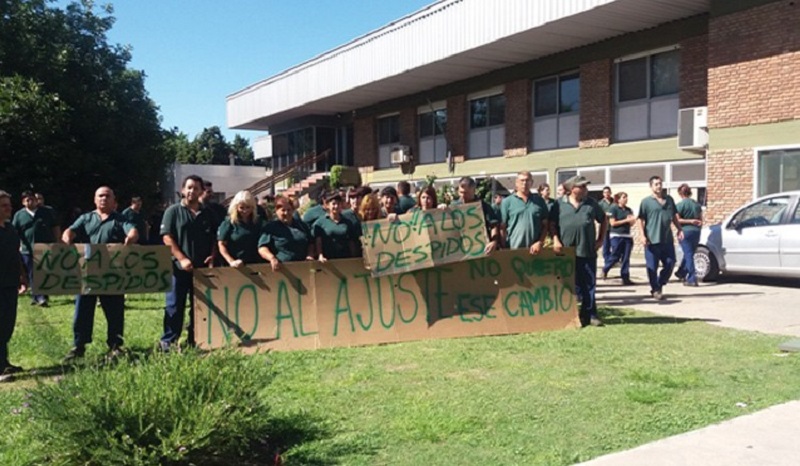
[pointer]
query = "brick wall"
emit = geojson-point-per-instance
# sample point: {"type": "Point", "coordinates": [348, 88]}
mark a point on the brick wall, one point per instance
{"type": "Point", "coordinates": [408, 129]}
{"type": "Point", "coordinates": [694, 72]}
{"type": "Point", "coordinates": [730, 182]}
{"type": "Point", "coordinates": [754, 66]}
{"type": "Point", "coordinates": [365, 145]}
{"type": "Point", "coordinates": [457, 125]}
{"type": "Point", "coordinates": [518, 118]}
{"type": "Point", "coordinates": [597, 116]}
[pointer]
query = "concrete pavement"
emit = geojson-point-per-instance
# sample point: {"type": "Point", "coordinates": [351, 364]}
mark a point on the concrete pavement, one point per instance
{"type": "Point", "coordinates": [765, 438]}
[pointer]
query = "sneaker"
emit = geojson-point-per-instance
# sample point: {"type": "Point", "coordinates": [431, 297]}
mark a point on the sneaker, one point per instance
{"type": "Point", "coordinates": [657, 295]}
{"type": "Point", "coordinates": [75, 353]}
{"type": "Point", "coordinates": [164, 347]}
{"type": "Point", "coordinates": [595, 321]}
{"type": "Point", "coordinates": [10, 369]}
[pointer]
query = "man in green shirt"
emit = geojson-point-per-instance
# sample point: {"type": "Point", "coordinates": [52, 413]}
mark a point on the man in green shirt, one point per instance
{"type": "Point", "coordinates": [13, 281]}
{"type": "Point", "coordinates": [466, 194]}
{"type": "Point", "coordinates": [524, 217]}
{"type": "Point", "coordinates": [34, 224]}
{"type": "Point", "coordinates": [404, 201]}
{"type": "Point", "coordinates": [190, 231]}
{"type": "Point", "coordinates": [656, 216]}
{"type": "Point", "coordinates": [576, 214]}
{"type": "Point", "coordinates": [605, 203]}
{"type": "Point", "coordinates": [133, 214]}
{"type": "Point", "coordinates": [100, 226]}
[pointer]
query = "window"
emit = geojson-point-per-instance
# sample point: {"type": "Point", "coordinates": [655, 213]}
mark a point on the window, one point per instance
{"type": "Point", "coordinates": [556, 112]}
{"type": "Point", "coordinates": [647, 96]}
{"type": "Point", "coordinates": [766, 212]}
{"type": "Point", "coordinates": [287, 148]}
{"type": "Point", "coordinates": [388, 137]}
{"type": "Point", "coordinates": [487, 116]}
{"type": "Point", "coordinates": [778, 171]}
{"type": "Point", "coordinates": [432, 142]}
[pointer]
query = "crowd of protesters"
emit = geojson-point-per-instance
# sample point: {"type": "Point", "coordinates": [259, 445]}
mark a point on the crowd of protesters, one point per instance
{"type": "Point", "coordinates": [202, 233]}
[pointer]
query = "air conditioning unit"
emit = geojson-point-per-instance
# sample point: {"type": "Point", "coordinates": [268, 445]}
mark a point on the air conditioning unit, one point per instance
{"type": "Point", "coordinates": [693, 128]}
{"type": "Point", "coordinates": [400, 155]}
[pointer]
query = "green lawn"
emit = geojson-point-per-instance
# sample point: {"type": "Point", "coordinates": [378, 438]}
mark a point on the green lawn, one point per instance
{"type": "Point", "coordinates": [547, 398]}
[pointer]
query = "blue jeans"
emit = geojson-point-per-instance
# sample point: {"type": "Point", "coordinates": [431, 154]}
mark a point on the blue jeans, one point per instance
{"type": "Point", "coordinates": [620, 252]}
{"type": "Point", "coordinates": [27, 259]}
{"type": "Point", "coordinates": [8, 319]}
{"type": "Point", "coordinates": [607, 248]}
{"type": "Point", "coordinates": [176, 308]}
{"type": "Point", "coordinates": [653, 254]}
{"type": "Point", "coordinates": [83, 321]}
{"type": "Point", "coordinates": [585, 285]}
{"type": "Point", "coordinates": [689, 244]}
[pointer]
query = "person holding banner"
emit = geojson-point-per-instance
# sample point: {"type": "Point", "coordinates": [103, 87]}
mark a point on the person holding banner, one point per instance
{"type": "Point", "coordinates": [13, 281]}
{"type": "Point", "coordinates": [34, 224]}
{"type": "Point", "coordinates": [576, 214]}
{"type": "Point", "coordinates": [370, 208]}
{"type": "Point", "coordinates": [466, 194]}
{"type": "Point", "coordinates": [237, 236]}
{"type": "Point", "coordinates": [190, 231]}
{"type": "Point", "coordinates": [334, 234]}
{"type": "Point", "coordinates": [524, 216]}
{"type": "Point", "coordinates": [101, 226]}
{"type": "Point", "coordinates": [388, 201]}
{"type": "Point", "coordinates": [426, 199]}
{"type": "Point", "coordinates": [286, 239]}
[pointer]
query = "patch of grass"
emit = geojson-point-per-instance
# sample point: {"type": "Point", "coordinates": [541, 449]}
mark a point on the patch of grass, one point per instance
{"type": "Point", "coordinates": [544, 398]}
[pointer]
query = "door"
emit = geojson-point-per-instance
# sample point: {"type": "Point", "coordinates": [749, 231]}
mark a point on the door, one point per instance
{"type": "Point", "coordinates": [790, 244]}
{"type": "Point", "coordinates": [751, 239]}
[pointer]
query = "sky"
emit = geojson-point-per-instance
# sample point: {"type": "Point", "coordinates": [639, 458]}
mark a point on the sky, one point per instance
{"type": "Point", "coordinates": [197, 52]}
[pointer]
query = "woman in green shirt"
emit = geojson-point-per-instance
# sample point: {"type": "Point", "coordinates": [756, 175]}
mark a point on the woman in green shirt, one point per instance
{"type": "Point", "coordinates": [238, 235]}
{"type": "Point", "coordinates": [335, 235]}
{"type": "Point", "coordinates": [621, 217]}
{"type": "Point", "coordinates": [286, 239]}
{"type": "Point", "coordinates": [690, 216]}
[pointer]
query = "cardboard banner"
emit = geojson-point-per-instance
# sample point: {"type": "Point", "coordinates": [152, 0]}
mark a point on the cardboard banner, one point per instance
{"type": "Point", "coordinates": [100, 269]}
{"type": "Point", "coordinates": [308, 305]}
{"type": "Point", "coordinates": [420, 240]}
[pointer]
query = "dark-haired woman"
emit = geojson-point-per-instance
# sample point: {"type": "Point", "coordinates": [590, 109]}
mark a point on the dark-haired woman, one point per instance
{"type": "Point", "coordinates": [690, 216]}
{"type": "Point", "coordinates": [335, 235]}
{"type": "Point", "coordinates": [621, 217]}
{"type": "Point", "coordinates": [286, 239]}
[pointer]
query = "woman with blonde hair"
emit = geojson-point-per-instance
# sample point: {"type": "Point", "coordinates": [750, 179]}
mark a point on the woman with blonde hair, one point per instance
{"type": "Point", "coordinates": [238, 234]}
{"type": "Point", "coordinates": [370, 208]}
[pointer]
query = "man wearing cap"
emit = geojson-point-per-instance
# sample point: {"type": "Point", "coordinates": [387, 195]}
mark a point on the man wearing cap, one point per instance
{"type": "Point", "coordinates": [576, 214]}
{"type": "Point", "coordinates": [657, 213]}
{"type": "Point", "coordinates": [524, 216]}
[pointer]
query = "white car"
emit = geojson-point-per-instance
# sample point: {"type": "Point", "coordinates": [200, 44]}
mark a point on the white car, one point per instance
{"type": "Point", "coordinates": [761, 238]}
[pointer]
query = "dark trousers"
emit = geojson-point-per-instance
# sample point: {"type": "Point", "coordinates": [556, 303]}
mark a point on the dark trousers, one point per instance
{"type": "Point", "coordinates": [689, 244]}
{"type": "Point", "coordinates": [8, 319]}
{"type": "Point", "coordinates": [83, 322]}
{"type": "Point", "coordinates": [620, 252]}
{"type": "Point", "coordinates": [654, 254]}
{"type": "Point", "coordinates": [176, 308]}
{"type": "Point", "coordinates": [585, 285]}
{"type": "Point", "coordinates": [607, 249]}
{"type": "Point", "coordinates": [27, 259]}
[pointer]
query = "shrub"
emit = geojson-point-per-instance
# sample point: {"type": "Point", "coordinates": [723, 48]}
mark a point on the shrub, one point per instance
{"type": "Point", "coordinates": [166, 409]}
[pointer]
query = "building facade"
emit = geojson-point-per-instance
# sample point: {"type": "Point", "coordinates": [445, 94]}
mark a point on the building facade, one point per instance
{"type": "Point", "coordinates": [558, 88]}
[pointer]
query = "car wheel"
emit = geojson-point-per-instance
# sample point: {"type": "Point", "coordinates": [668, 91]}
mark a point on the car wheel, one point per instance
{"type": "Point", "coordinates": [705, 265]}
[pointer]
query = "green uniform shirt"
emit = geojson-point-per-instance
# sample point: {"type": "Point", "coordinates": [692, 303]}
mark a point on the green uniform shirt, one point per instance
{"type": "Point", "coordinates": [489, 216]}
{"type": "Point", "coordinates": [576, 226]}
{"type": "Point", "coordinates": [10, 261]}
{"type": "Point", "coordinates": [688, 209]}
{"type": "Point", "coordinates": [137, 218]}
{"type": "Point", "coordinates": [194, 235]}
{"type": "Point", "coordinates": [404, 204]}
{"type": "Point", "coordinates": [113, 229]}
{"type": "Point", "coordinates": [36, 228]}
{"type": "Point", "coordinates": [289, 243]}
{"type": "Point", "coordinates": [658, 219]}
{"type": "Point", "coordinates": [523, 219]}
{"type": "Point", "coordinates": [313, 214]}
{"type": "Point", "coordinates": [336, 237]}
{"type": "Point", "coordinates": [605, 205]}
{"type": "Point", "coordinates": [241, 239]}
{"type": "Point", "coordinates": [619, 213]}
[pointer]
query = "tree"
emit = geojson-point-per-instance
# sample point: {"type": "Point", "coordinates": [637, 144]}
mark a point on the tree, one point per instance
{"type": "Point", "coordinates": [244, 153]}
{"type": "Point", "coordinates": [73, 116]}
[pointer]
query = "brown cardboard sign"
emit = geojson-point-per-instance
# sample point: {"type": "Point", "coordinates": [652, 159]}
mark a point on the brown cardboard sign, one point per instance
{"type": "Point", "coordinates": [423, 239]}
{"type": "Point", "coordinates": [308, 305]}
{"type": "Point", "coordinates": [101, 269]}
